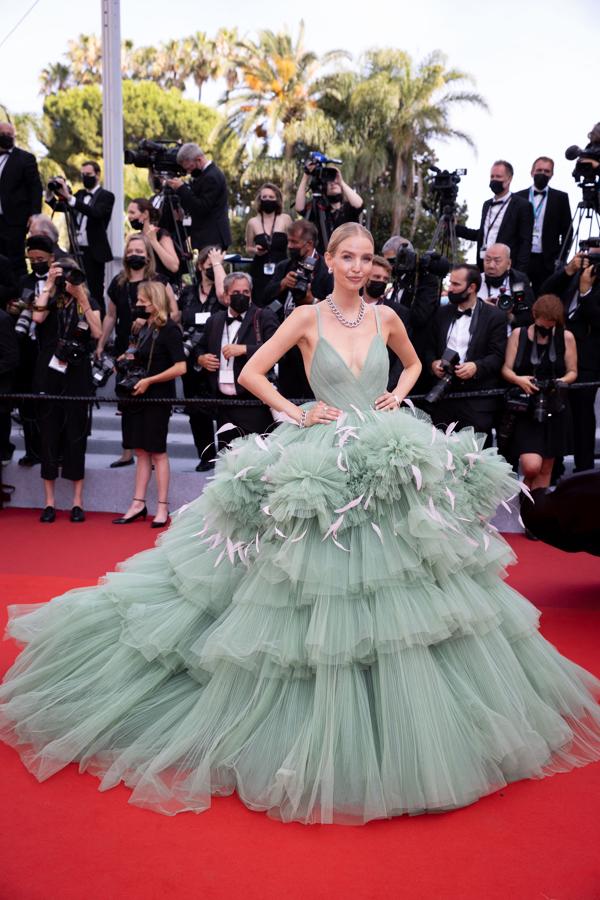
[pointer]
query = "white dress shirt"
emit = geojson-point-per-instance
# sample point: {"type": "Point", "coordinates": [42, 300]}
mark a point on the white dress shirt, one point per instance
{"type": "Point", "coordinates": [493, 221]}
{"type": "Point", "coordinates": [539, 205]}
{"type": "Point", "coordinates": [226, 376]}
{"type": "Point", "coordinates": [459, 336]}
{"type": "Point", "coordinates": [82, 221]}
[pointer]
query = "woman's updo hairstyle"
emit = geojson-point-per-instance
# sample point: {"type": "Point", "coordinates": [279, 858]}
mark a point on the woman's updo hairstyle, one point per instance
{"type": "Point", "coordinates": [343, 232]}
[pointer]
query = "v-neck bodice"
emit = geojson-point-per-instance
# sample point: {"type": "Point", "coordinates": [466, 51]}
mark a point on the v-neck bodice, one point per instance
{"type": "Point", "coordinates": [333, 381]}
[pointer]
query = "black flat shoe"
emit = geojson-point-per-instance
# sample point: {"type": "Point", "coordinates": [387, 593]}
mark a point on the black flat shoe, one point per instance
{"type": "Point", "coordinates": [29, 461]}
{"type": "Point", "coordinates": [48, 515]}
{"type": "Point", "coordinates": [164, 524]}
{"type": "Point", "coordinates": [205, 466]}
{"type": "Point", "coordinates": [118, 463]}
{"type": "Point", "coordinates": [126, 520]}
{"type": "Point", "coordinates": [77, 514]}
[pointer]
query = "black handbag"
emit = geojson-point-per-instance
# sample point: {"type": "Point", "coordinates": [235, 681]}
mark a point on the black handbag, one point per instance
{"type": "Point", "coordinates": [129, 372]}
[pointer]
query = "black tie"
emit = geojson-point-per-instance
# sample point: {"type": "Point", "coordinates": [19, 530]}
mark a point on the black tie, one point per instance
{"type": "Point", "coordinates": [231, 320]}
{"type": "Point", "coordinates": [539, 193]}
{"type": "Point", "coordinates": [463, 312]}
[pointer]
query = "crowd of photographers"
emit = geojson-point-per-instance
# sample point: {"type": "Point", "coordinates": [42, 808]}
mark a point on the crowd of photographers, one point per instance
{"type": "Point", "coordinates": [525, 317]}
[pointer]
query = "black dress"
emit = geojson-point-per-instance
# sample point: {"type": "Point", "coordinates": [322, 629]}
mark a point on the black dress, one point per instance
{"type": "Point", "coordinates": [64, 427]}
{"type": "Point", "coordinates": [277, 244]}
{"type": "Point", "coordinates": [145, 425]}
{"type": "Point", "coordinates": [124, 297]}
{"type": "Point", "coordinates": [548, 438]}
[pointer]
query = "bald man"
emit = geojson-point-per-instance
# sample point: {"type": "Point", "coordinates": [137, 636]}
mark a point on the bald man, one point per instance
{"type": "Point", "coordinates": [20, 197]}
{"type": "Point", "coordinates": [501, 283]}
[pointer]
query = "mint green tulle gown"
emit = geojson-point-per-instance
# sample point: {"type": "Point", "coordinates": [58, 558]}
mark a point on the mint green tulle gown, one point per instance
{"type": "Point", "coordinates": [325, 631]}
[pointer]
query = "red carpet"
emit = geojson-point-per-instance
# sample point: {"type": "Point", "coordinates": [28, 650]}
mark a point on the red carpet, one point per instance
{"type": "Point", "coordinates": [63, 840]}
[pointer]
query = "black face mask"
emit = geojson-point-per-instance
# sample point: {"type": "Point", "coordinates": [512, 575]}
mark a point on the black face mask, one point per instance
{"type": "Point", "coordinates": [7, 142]}
{"type": "Point", "coordinates": [543, 331]}
{"type": "Point", "coordinates": [375, 288]}
{"type": "Point", "coordinates": [196, 173]}
{"type": "Point", "coordinates": [89, 182]}
{"type": "Point", "coordinates": [496, 186]}
{"type": "Point", "coordinates": [495, 280]}
{"type": "Point", "coordinates": [455, 297]}
{"type": "Point", "coordinates": [210, 273]}
{"type": "Point", "coordinates": [541, 181]}
{"type": "Point", "coordinates": [136, 224]}
{"type": "Point", "coordinates": [335, 198]}
{"type": "Point", "coordinates": [140, 312]}
{"type": "Point", "coordinates": [239, 302]}
{"type": "Point", "coordinates": [40, 268]}
{"type": "Point", "coordinates": [136, 262]}
{"type": "Point", "coordinates": [268, 206]}
{"type": "Point", "coordinates": [295, 254]}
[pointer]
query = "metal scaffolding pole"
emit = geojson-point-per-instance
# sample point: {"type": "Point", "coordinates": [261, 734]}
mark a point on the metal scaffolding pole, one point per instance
{"type": "Point", "coordinates": [112, 125]}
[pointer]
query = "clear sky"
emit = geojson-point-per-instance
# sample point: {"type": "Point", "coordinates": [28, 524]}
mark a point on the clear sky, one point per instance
{"type": "Point", "coordinates": [536, 64]}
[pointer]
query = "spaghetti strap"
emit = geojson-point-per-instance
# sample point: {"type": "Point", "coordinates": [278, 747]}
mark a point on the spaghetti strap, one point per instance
{"type": "Point", "coordinates": [376, 311]}
{"type": "Point", "coordinates": [318, 312]}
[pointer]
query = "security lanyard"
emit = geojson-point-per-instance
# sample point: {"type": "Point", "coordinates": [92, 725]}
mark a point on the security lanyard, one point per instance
{"type": "Point", "coordinates": [493, 221]}
{"type": "Point", "coordinates": [537, 209]}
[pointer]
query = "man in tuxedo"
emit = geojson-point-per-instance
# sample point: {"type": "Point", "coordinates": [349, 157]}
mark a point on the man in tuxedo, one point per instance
{"type": "Point", "coordinates": [500, 280]}
{"type": "Point", "coordinates": [204, 199]}
{"type": "Point", "coordinates": [20, 197]}
{"type": "Point", "coordinates": [230, 338]}
{"type": "Point", "coordinates": [477, 332]}
{"type": "Point", "coordinates": [302, 242]}
{"type": "Point", "coordinates": [578, 286]}
{"type": "Point", "coordinates": [91, 208]}
{"type": "Point", "coordinates": [505, 219]}
{"type": "Point", "coordinates": [375, 293]}
{"type": "Point", "coordinates": [551, 221]}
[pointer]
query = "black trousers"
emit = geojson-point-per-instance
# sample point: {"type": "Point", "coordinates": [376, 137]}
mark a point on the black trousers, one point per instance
{"type": "Point", "coordinates": [201, 420]}
{"type": "Point", "coordinates": [584, 424]}
{"type": "Point", "coordinates": [12, 244]}
{"type": "Point", "coordinates": [64, 430]}
{"type": "Point", "coordinates": [245, 419]}
{"type": "Point", "coordinates": [538, 270]}
{"type": "Point", "coordinates": [94, 273]}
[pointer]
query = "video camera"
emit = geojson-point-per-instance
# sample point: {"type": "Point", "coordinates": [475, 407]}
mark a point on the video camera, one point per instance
{"type": "Point", "coordinates": [444, 186]}
{"type": "Point", "coordinates": [586, 174]}
{"type": "Point", "coordinates": [322, 173]}
{"type": "Point", "coordinates": [160, 156]}
{"type": "Point", "coordinates": [449, 361]}
{"type": "Point", "coordinates": [407, 262]}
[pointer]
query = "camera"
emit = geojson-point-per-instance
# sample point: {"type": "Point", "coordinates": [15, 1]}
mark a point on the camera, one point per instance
{"type": "Point", "coordinates": [322, 173]}
{"type": "Point", "coordinates": [102, 369]}
{"type": "Point", "coordinates": [24, 325]}
{"type": "Point", "coordinates": [304, 272]}
{"type": "Point", "coordinates": [513, 302]}
{"type": "Point", "coordinates": [591, 248]}
{"type": "Point", "coordinates": [74, 351]}
{"type": "Point", "coordinates": [56, 185]}
{"type": "Point", "coordinates": [191, 340]}
{"type": "Point", "coordinates": [71, 273]}
{"type": "Point", "coordinates": [449, 361]}
{"type": "Point", "coordinates": [129, 372]}
{"type": "Point", "coordinates": [550, 400]}
{"type": "Point", "coordinates": [407, 262]}
{"type": "Point", "coordinates": [444, 185]}
{"type": "Point", "coordinates": [159, 156]}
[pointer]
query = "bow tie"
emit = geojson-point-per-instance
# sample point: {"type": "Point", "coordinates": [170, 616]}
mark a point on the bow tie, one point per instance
{"type": "Point", "coordinates": [463, 312]}
{"type": "Point", "coordinates": [498, 202]}
{"type": "Point", "coordinates": [231, 320]}
{"type": "Point", "coordinates": [539, 193]}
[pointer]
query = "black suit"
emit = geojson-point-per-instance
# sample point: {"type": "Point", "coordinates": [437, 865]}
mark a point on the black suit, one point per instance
{"type": "Point", "coordinates": [584, 323]}
{"type": "Point", "coordinates": [9, 361]}
{"type": "Point", "coordinates": [98, 252]}
{"type": "Point", "coordinates": [20, 198]}
{"type": "Point", "coordinates": [515, 231]}
{"type": "Point", "coordinates": [555, 228]}
{"type": "Point", "coordinates": [487, 347]}
{"type": "Point", "coordinates": [251, 418]}
{"type": "Point", "coordinates": [8, 282]}
{"type": "Point", "coordinates": [205, 200]}
{"type": "Point", "coordinates": [321, 284]}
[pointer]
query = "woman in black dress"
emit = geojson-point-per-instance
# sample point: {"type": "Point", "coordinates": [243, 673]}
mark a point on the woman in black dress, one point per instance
{"type": "Point", "coordinates": [542, 352]}
{"type": "Point", "coordinates": [266, 238]}
{"type": "Point", "coordinates": [197, 303]}
{"type": "Point", "coordinates": [144, 217]}
{"type": "Point", "coordinates": [68, 322]}
{"type": "Point", "coordinates": [160, 351]}
{"type": "Point", "coordinates": [138, 265]}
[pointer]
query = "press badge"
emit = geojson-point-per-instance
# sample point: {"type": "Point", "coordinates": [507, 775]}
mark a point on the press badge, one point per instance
{"type": "Point", "coordinates": [482, 253]}
{"type": "Point", "coordinates": [201, 318]}
{"type": "Point", "coordinates": [187, 221]}
{"type": "Point", "coordinates": [269, 268]}
{"type": "Point", "coordinates": [58, 365]}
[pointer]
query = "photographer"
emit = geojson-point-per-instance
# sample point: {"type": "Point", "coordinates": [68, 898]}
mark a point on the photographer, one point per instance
{"type": "Point", "coordinates": [8, 282]}
{"type": "Point", "coordinates": [43, 225]}
{"type": "Point", "coordinates": [230, 338]}
{"type": "Point", "coordinates": [197, 304]}
{"type": "Point", "coordinates": [505, 219]}
{"type": "Point", "coordinates": [266, 238]}
{"type": "Point", "coordinates": [374, 292]}
{"type": "Point", "coordinates": [303, 275]}
{"type": "Point", "coordinates": [68, 321]}
{"type": "Point", "coordinates": [578, 287]}
{"type": "Point", "coordinates": [9, 361]}
{"type": "Point", "coordinates": [91, 208]}
{"type": "Point", "coordinates": [466, 353]}
{"type": "Point", "coordinates": [20, 197]}
{"type": "Point", "coordinates": [537, 357]}
{"type": "Point", "coordinates": [142, 217]}
{"type": "Point", "coordinates": [159, 354]}
{"type": "Point", "coordinates": [333, 201]}
{"type": "Point", "coordinates": [204, 199]}
{"type": "Point", "coordinates": [505, 287]}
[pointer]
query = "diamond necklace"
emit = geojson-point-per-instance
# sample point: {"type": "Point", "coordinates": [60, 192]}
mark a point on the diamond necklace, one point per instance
{"type": "Point", "coordinates": [349, 323]}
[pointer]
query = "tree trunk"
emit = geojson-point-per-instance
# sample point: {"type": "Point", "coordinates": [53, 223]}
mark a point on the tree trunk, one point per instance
{"type": "Point", "coordinates": [398, 194]}
{"type": "Point", "coordinates": [288, 185]}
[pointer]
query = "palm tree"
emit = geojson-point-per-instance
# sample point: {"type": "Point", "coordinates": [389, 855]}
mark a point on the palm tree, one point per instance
{"type": "Point", "coordinates": [85, 58]}
{"type": "Point", "coordinates": [278, 90]}
{"type": "Point", "coordinates": [55, 77]}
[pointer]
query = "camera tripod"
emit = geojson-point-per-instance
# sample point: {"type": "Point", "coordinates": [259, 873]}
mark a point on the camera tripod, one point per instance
{"type": "Point", "coordinates": [587, 208]}
{"type": "Point", "coordinates": [179, 233]}
{"type": "Point", "coordinates": [444, 240]}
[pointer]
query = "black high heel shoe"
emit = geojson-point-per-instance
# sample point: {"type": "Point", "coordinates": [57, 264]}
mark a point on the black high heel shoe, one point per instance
{"type": "Point", "coordinates": [167, 521]}
{"type": "Point", "coordinates": [125, 520]}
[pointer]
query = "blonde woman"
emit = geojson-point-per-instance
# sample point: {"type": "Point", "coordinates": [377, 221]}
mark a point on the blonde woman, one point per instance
{"type": "Point", "coordinates": [160, 351]}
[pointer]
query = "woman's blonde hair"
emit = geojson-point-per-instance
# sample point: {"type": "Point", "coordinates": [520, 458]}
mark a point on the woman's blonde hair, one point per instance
{"type": "Point", "coordinates": [150, 267]}
{"type": "Point", "coordinates": [156, 293]}
{"type": "Point", "coordinates": [343, 232]}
